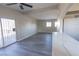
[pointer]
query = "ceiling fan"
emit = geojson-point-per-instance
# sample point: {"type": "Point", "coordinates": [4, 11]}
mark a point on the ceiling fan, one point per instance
{"type": "Point", "coordinates": [20, 5]}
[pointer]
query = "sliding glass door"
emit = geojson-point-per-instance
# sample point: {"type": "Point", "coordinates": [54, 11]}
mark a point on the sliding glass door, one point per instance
{"type": "Point", "coordinates": [8, 31]}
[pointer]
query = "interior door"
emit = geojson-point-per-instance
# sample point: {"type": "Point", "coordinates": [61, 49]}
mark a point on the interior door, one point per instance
{"type": "Point", "coordinates": [9, 33]}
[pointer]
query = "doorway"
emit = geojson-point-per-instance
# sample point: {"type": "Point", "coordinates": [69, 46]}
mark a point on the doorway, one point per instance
{"type": "Point", "coordinates": [8, 33]}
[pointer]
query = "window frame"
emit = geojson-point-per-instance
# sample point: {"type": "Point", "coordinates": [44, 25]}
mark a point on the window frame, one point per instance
{"type": "Point", "coordinates": [48, 24]}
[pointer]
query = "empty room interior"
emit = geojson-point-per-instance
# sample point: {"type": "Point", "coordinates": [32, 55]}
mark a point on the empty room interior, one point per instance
{"type": "Point", "coordinates": [39, 29]}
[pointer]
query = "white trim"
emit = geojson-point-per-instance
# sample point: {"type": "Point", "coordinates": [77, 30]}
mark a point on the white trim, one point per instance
{"type": "Point", "coordinates": [25, 37]}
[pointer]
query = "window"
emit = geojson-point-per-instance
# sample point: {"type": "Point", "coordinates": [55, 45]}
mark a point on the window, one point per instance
{"type": "Point", "coordinates": [48, 24]}
{"type": "Point", "coordinates": [57, 24]}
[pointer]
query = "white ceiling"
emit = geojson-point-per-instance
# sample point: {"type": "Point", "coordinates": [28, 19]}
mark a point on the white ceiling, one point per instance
{"type": "Point", "coordinates": [45, 14]}
{"type": "Point", "coordinates": [39, 11]}
{"type": "Point", "coordinates": [35, 6]}
{"type": "Point", "coordinates": [50, 12]}
{"type": "Point", "coordinates": [74, 7]}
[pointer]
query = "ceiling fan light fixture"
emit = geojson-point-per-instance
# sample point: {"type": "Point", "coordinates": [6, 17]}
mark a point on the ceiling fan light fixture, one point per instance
{"type": "Point", "coordinates": [21, 7]}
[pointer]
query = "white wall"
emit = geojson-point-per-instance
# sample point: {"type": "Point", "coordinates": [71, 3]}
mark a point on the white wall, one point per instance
{"type": "Point", "coordinates": [59, 40]}
{"type": "Point", "coordinates": [25, 25]}
{"type": "Point", "coordinates": [41, 26]}
{"type": "Point", "coordinates": [71, 27]}
{"type": "Point", "coordinates": [63, 9]}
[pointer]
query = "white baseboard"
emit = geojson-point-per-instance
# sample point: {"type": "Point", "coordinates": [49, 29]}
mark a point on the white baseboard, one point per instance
{"type": "Point", "coordinates": [27, 36]}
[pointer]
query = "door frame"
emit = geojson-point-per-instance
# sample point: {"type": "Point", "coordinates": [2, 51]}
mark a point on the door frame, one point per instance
{"type": "Point", "coordinates": [2, 38]}
{"type": "Point", "coordinates": [2, 32]}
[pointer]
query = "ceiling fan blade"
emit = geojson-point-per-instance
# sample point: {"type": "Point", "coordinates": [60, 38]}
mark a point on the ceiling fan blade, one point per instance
{"type": "Point", "coordinates": [11, 3]}
{"type": "Point", "coordinates": [26, 5]}
{"type": "Point", "coordinates": [21, 7]}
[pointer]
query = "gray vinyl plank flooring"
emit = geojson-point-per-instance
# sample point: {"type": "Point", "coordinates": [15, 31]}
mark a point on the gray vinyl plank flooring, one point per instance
{"type": "Point", "coordinates": [37, 45]}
